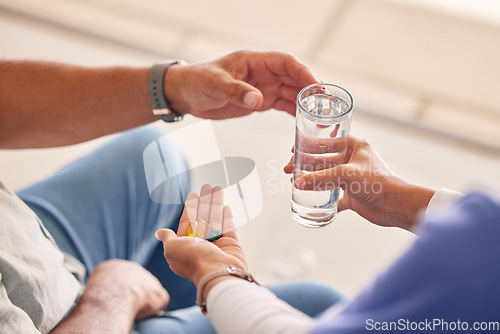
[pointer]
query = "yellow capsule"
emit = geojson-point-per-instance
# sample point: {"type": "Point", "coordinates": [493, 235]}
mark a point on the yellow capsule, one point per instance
{"type": "Point", "coordinates": [191, 231]}
{"type": "Point", "coordinates": [200, 231]}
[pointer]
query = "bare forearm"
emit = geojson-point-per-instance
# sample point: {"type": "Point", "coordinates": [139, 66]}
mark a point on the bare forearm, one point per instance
{"type": "Point", "coordinates": [107, 305]}
{"type": "Point", "coordinates": [51, 104]}
{"type": "Point", "coordinates": [118, 292]}
{"type": "Point", "coordinates": [405, 202]}
{"type": "Point", "coordinates": [99, 312]}
{"type": "Point", "coordinates": [418, 198]}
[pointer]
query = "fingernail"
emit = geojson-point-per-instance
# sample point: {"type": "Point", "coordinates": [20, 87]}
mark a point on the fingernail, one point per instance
{"type": "Point", "coordinates": [300, 183]}
{"type": "Point", "coordinates": [157, 235]}
{"type": "Point", "coordinates": [251, 99]}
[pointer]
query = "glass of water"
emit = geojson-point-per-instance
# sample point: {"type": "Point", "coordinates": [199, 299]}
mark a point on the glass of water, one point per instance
{"type": "Point", "coordinates": [323, 121]}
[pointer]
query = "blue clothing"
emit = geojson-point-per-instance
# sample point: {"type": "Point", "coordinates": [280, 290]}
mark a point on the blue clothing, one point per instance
{"type": "Point", "coordinates": [99, 207]}
{"type": "Point", "coordinates": [447, 282]}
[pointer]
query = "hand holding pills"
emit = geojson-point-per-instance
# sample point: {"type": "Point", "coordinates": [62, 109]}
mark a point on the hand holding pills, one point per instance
{"type": "Point", "coordinates": [201, 229]}
{"type": "Point", "coordinates": [205, 218]}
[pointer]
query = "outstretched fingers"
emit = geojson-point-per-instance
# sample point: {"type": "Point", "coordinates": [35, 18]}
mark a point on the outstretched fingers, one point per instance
{"type": "Point", "coordinates": [205, 203]}
{"type": "Point", "coordinates": [189, 214]}
{"type": "Point", "coordinates": [216, 212]}
{"type": "Point", "coordinates": [206, 217]}
{"type": "Point", "coordinates": [228, 226]}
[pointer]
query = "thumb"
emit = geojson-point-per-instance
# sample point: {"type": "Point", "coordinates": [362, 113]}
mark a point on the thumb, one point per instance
{"type": "Point", "coordinates": [344, 203]}
{"type": "Point", "coordinates": [243, 94]}
{"type": "Point", "coordinates": [165, 235]}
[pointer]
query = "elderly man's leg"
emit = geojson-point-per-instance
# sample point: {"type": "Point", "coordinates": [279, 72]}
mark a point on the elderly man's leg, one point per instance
{"type": "Point", "coordinates": [99, 207]}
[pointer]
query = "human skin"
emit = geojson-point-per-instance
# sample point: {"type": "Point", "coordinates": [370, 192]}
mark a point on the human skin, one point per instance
{"type": "Point", "coordinates": [192, 257]}
{"type": "Point", "coordinates": [370, 187]}
{"type": "Point", "coordinates": [45, 104]}
{"type": "Point", "coordinates": [50, 104]}
{"type": "Point", "coordinates": [117, 293]}
{"type": "Point", "coordinates": [398, 203]}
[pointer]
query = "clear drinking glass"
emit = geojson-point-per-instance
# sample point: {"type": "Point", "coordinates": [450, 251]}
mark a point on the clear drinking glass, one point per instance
{"type": "Point", "coordinates": [323, 121]}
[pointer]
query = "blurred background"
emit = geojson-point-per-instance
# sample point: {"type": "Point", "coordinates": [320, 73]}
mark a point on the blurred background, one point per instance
{"type": "Point", "coordinates": [424, 76]}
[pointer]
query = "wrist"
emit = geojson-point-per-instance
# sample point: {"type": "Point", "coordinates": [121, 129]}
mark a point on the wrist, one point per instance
{"type": "Point", "coordinates": [207, 282]}
{"type": "Point", "coordinates": [157, 91]}
{"type": "Point", "coordinates": [101, 308]}
{"type": "Point", "coordinates": [173, 88]}
{"type": "Point", "coordinates": [205, 269]}
{"type": "Point", "coordinates": [101, 302]}
{"type": "Point", "coordinates": [208, 286]}
{"type": "Point", "coordinates": [414, 199]}
{"type": "Point", "coordinates": [107, 290]}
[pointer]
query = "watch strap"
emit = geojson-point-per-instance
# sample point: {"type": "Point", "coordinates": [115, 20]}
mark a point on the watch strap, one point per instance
{"type": "Point", "coordinates": [156, 91]}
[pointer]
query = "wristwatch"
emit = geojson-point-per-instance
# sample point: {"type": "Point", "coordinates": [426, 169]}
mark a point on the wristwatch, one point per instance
{"type": "Point", "coordinates": [156, 91]}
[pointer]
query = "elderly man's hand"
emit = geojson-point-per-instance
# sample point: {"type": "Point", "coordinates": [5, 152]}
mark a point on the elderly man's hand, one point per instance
{"type": "Point", "coordinates": [237, 84]}
{"type": "Point", "coordinates": [117, 293]}
{"type": "Point", "coordinates": [128, 281]}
